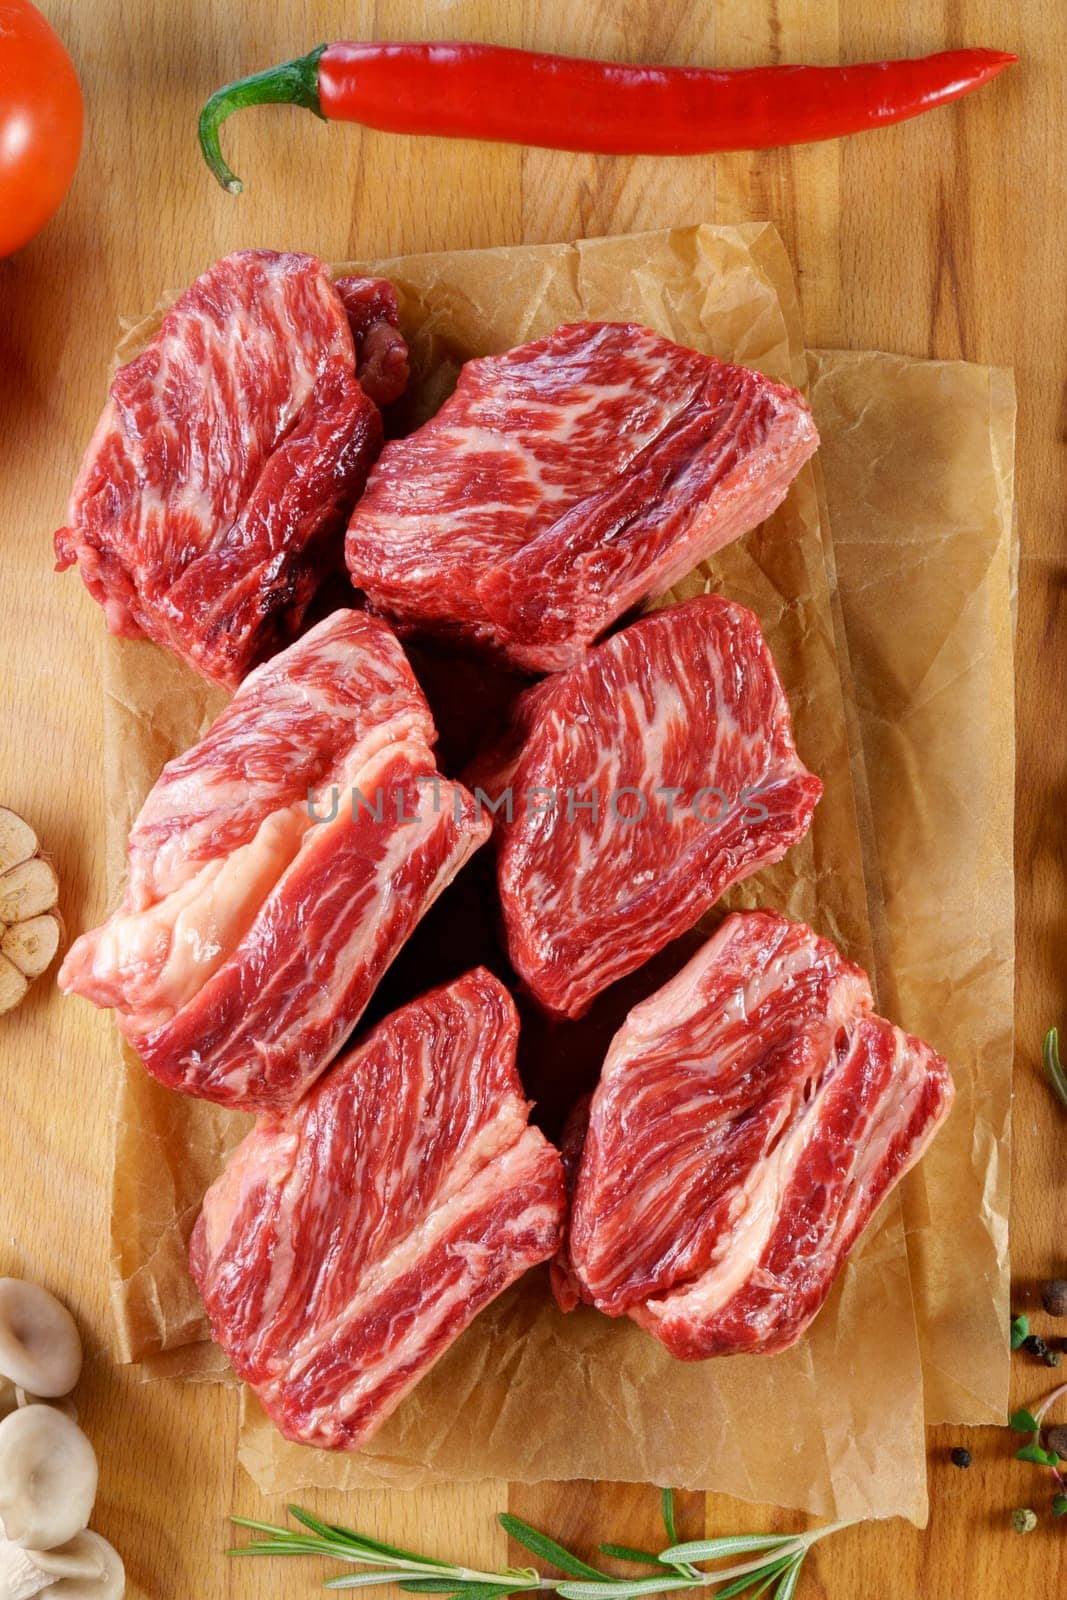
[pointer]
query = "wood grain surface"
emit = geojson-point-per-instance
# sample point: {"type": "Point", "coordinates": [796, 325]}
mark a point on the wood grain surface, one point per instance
{"type": "Point", "coordinates": [943, 237]}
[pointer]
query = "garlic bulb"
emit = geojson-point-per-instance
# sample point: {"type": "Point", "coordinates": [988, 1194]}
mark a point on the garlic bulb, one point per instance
{"type": "Point", "coordinates": [29, 922]}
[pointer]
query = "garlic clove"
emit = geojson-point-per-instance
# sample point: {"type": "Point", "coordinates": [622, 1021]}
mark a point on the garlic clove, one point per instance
{"type": "Point", "coordinates": [31, 945]}
{"type": "Point", "coordinates": [88, 1568]}
{"type": "Point", "coordinates": [14, 986]}
{"type": "Point", "coordinates": [48, 1476]}
{"type": "Point", "coordinates": [40, 1347]}
{"type": "Point", "coordinates": [28, 890]}
{"type": "Point", "coordinates": [18, 842]}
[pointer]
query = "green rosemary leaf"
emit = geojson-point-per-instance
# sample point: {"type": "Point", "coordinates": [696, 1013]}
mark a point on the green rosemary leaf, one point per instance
{"type": "Point", "coordinates": [787, 1586]}
{"type": "Point", "coordinates": [764, 1576]}
{"type": "Point", "coordinates": [263, 1547]}
{"type": "Point", "coordinates": [732, 1545]}
{"type": "Point", "coordinates": [363, 1580]}
{"type": "Point", "coordinates": [284, 1547]}
{"type": "Point", "coordinates": [667, 1507]}
{"type": "Point", "coordinates": [431, 1585]}
{"type": "Point", "coordinates": [375, 1547]}
{"type": "Point", "coordinates": [261, 1527]}
{"type": "Point", "coordinates": [1023, 1422]}
{"type": "Point", "coordinates": [1020, 1332]}
{"type": "Point", "coordinates": [773, 1574]}
{"type": "Point", "coordinates": [626, 1552]}
{"type": "Point", "coordinates": [1053, 1068]}
{"type": "Point", "coordinates": [622, 1588]}
{"type": "Point", "coordinates": [475, 1591]}
{"type": "Point", "coordinates": [548, 1550]}
{"type": "Point", "coordinates": [323, 1529]}
{"type": "Point", "coordinates": [456, 1586]}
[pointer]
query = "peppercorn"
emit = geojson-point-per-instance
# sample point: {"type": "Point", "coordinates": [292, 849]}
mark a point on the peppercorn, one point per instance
{"type": "Point", "coordinates": [1054, 1297]}
{"type": "Point", "coordinates": [1051, 1358]}
{"type": "Point", "coordinates": [962, 1458]}
{"type": "Point", "coordinates": [1024, 1520]}
{"type": "Point", "coordinates": [1034, 1345]}
{"type": "Point", "coordinates": [1056, 1439]}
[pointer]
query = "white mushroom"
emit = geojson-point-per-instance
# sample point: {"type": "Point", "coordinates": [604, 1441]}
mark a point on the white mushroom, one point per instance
{"type": "Point", "coordinates": [40, 1349]}
{"type": "Point", "coordinates": [47, 1478]}
{"type": "Point", "coordinates": [86, 1568]}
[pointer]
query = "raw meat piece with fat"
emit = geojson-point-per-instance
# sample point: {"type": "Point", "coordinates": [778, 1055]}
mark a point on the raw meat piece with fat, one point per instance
{"type": "Point", "coordinates": [643, 783]}
{"type": "Point", "coordinates": [347, 1245]}
{"type": "Point", "coordinates": [276, 869]}
{"type": "Point", "coordinates": [750, 1117]}
{"type": "Point", "coordinates": [214, 493]}
{"type": "Point", "coordinates": [381, 351]}
{"type": "Point", "coordinates": [565, 481]}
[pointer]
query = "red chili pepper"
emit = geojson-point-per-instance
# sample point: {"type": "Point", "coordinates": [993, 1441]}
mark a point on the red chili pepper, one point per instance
{"type": "Point", "coordinates": [476, 91]}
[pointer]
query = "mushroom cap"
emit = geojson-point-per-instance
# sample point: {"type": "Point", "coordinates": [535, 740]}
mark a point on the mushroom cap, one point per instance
{"type": "Point", "coordinates": [40, 1347]}
{"type": "Point", "coordinates": [88, 1568]}
{"type": "Point", "coordinates": [48, 1478]}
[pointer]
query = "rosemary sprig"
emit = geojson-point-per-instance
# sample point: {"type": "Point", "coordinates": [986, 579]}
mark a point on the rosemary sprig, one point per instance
{"type": "Point", "coordinates": [773, 1568]}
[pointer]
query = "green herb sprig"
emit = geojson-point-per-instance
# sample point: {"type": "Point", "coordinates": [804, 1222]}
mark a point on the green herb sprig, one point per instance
{"type": "Point", "coordinates": [773, 1567]}
{"type": "Point", "coordinates": [1032, 1422]}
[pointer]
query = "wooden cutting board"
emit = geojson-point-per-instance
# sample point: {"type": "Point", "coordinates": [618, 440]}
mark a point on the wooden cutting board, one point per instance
{"type": "Point", "coordinates": [944, 237]}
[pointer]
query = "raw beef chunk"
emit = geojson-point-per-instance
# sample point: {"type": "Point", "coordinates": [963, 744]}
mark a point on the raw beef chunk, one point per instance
{"type": "Point", "coordinates": [750, 1117]}
{"type": "Point", "coordinates": [347, 1245]}
{"type": "Point", "coordinates": [567, 480]}
{"type": "Point", "coordinates": [381, 351]}
{"type": "Point", "coordinates": [215, 490]}
{"type": "Point", "coordinates": [276, 869]}
{"type": "Point", "coordinates": [641, 784]}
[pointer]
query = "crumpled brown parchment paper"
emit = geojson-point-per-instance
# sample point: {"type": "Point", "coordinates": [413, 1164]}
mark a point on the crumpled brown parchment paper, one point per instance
{"type": "Point", "coordinates": [918, 473]}
{"type": "Point", "coordinates": [527, 1394]}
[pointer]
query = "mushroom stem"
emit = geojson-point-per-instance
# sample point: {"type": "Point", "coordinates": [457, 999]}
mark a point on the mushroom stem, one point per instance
{"type": "Point", "coordinates": [20, 1576]}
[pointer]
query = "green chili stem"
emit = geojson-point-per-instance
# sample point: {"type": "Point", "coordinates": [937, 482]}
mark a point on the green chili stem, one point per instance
{"type": "Point", "coordinates": [294, 83]}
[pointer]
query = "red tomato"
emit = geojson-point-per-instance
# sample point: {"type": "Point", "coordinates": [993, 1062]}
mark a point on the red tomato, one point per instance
{"type": "Point", "coordinates": [40, 122]}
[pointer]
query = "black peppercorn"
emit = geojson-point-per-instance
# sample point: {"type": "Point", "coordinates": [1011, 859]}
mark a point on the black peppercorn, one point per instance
{"type": "Point", "coordinates": [961, 1457]}
{"type": "Point", "coordinates": [1054, 1297]}
{"type": "Point", "coordinates": [1034, 1345]}
{"type": "Point", "coordinates": [1056, 1439]}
